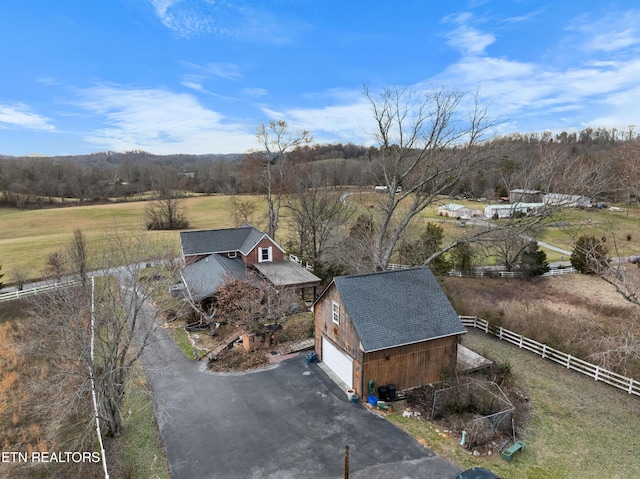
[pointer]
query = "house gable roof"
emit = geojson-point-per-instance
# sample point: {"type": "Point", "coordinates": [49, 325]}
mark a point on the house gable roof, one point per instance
{"type": "Point", "coordinates": [396, 308]}
{"type": "Point", "coordinates": [203, 277]}
{"type": "Point", "coordinates": [242, 239]}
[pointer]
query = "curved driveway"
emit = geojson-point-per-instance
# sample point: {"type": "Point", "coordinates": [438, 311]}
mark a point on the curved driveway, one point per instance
{"type": "Point", "coordinates": [285, 421]}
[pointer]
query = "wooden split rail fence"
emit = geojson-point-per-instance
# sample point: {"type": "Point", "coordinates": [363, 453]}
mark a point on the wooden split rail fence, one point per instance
{"type": "Point", "coordinates": [598, 373]}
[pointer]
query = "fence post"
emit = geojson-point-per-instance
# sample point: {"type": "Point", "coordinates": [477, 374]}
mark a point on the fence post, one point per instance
{"type": "Point", "coordinates": [500, 333]}
{"type": "Point", "coordinates": [630, 385]}
{"type": "Point", "coordinates": [597, 373]}
{"type": "Point", "coordinates": [544, 351]}
{"type": "Point", "coordinates": [568, 361]}
{"type": "Point", "coordinates": [520, 345]}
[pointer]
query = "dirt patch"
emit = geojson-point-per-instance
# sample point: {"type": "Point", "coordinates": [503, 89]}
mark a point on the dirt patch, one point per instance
{"type": "Point", "coordinates": [237, 358]}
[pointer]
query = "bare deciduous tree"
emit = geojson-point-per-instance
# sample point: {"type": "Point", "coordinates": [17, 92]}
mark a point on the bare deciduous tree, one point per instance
{"type": "Point", "coordinates": [115, 305]}
{"type": "Point", "coordinates": [276, 142]}
{"type": "Point", "coordinates": [252, 302]}
{"type": "Point", "coordinates": [166, 212]}
{"type": "Point", "coordinates": [317, 211]}
{"type": "Point", "coordinates": [242, 210]}
{"type": "Point", "coordinates": [426, 145]}
{"type": "Point", "coordinates": [78, 254]}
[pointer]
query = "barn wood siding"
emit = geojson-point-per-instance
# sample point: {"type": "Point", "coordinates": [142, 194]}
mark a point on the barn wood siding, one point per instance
{"type": "Point", "coordinates": [412, 365]}
{"type": "Point", "coordinates": [343, 335]}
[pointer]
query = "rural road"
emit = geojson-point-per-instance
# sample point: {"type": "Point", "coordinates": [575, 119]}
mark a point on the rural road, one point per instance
{"type": "Point", "coordinates": [288, 420]}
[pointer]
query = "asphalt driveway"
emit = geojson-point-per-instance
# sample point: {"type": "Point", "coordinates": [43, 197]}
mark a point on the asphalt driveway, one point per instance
{"type": "Point", "coordinates": [286, 421]}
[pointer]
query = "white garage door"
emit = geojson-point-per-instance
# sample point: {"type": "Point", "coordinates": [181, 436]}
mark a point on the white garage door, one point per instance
{"type": "Point", "coordinates": [338, 362]}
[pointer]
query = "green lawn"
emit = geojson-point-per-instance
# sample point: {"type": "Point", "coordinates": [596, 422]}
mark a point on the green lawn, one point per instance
{"type": "Point", "coordinates": [579, 429]}
{"type": "Point", "coordinates": [28, 237]}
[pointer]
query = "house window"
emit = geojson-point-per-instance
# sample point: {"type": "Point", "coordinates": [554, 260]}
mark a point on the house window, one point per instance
{"type": "Point", "coordinates": [335, 312]}
{"type": "Point", "coordinates": [232, 254]}
{"type": "Point", "coordinates": [264, 254]}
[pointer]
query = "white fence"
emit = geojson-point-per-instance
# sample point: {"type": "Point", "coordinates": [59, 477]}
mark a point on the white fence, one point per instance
{"type": "Point", "coordinates": [295, 259]}
{"type": "Point", "coordinates": [32, 291]}
{"type": "Point", "coordinates": [598, 373]}
{"type": "Point", "coordinates": [509, 274]}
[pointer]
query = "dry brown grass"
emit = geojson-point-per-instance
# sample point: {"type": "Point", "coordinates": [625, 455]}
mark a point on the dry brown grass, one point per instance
{"type": "Point", "coordinates": [572, 312]}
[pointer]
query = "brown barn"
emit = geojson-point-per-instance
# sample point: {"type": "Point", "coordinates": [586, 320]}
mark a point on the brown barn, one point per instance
{"type": "Point", "coordinates": [392, 327]}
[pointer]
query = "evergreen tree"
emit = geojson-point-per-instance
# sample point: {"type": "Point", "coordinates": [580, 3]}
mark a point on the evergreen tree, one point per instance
{"type": "Point", "coordinates": [590, 255]}
{"type": "Point", "coordinates": [417, 252]}
{"type": "Point", "coordinates": [534, 260]}
{"type": "Point", "coordinates": [463, 258]}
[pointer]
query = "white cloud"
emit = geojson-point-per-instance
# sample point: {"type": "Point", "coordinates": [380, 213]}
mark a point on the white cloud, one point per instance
{"type": "Point", "coordinates": [225, 71]}
{"type": "Point", "coordinates": [598, 88]}
{"type": "Point", "coordinates": [347, 122]}
{"type": "Point", "coordinates": [527, 17]}
{"type": "Point", "coordinates": [201, 74]}
{"type": "Point", "coordinates": [20, 116]}
{"type": "Point", "coordinates": [240, 19]}
{"type": "Point", "coordinates": [466, 38]}
{"type": "Point", "coordinates": [609, 33]}
{"type": "Point", "coordinates": [161, 122]}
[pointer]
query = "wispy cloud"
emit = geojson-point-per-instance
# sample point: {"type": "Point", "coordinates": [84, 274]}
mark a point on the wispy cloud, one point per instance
{"type": "Point", "coordinates": [523, 18]}
{"type": "Point", "coordinates": [608, 33]}
{"type": "Point", "coordinates": [537, 94]}
{"type": "Point", "coordinates": [160, 121]}
{"type": "Point", "coordinates": [20, 116]}
{"type": "Point", "coordinates": [347, 120]}
{"type": "Point", "coordinates": [238, 20]}
{"type": "Point", "coordinates": [200, 75]}
{"type": "Point", "coordinates": [466, 38]}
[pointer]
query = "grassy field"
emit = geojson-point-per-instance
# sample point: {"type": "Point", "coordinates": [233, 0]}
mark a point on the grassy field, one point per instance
{"type": "Point", "coordinates": [28, 237]}
{"type": "Point", "coordinates": [579, 429]}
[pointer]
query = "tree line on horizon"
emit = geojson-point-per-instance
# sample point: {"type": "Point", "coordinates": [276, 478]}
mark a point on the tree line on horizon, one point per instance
{"type": "Point", "coordinates": [27, 182]}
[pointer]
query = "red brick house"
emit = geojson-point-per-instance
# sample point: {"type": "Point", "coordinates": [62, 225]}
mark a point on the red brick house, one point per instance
{"type": "Point", "coordinates": [211, 257]}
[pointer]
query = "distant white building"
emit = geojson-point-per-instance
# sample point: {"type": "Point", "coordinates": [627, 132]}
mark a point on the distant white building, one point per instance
{"type": "Point", "coordinates": [454, 210]}
{"type": "Point", "coordinates": [561, 199]}
{"type": "Point", "coordinates": [509, 210]}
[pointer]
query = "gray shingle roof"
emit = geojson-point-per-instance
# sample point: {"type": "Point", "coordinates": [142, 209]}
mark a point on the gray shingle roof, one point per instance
{"type": "Point", "coordinates": [204, 276]}
{"type": "Point", "coordinates": [241, 239]}
{"type": "Point", "coordinates": [395, 308]}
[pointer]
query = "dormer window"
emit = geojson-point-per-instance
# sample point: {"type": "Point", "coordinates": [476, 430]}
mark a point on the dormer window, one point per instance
{"type": "Point", "coordinates": [264, 255]}
{"type": "Point", "coordinates": [232, 254]}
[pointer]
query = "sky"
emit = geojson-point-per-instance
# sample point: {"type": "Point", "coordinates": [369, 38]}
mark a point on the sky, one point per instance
{"type": "Point", "coordinates": [199, 76]}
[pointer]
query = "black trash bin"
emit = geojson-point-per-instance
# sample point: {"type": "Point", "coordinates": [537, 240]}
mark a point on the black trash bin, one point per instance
{"type": "Point", "coordinates": [383, 393]}
{"type": "Point", "coordinates": [392, 392]}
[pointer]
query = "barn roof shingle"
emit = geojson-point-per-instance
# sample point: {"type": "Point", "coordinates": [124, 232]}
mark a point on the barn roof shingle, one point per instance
{"type": "Point", "coordinates": [396, 308]}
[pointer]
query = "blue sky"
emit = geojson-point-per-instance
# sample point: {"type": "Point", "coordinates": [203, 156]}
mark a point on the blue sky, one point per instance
{"type": "Point", "coordinates": [198, 76]}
